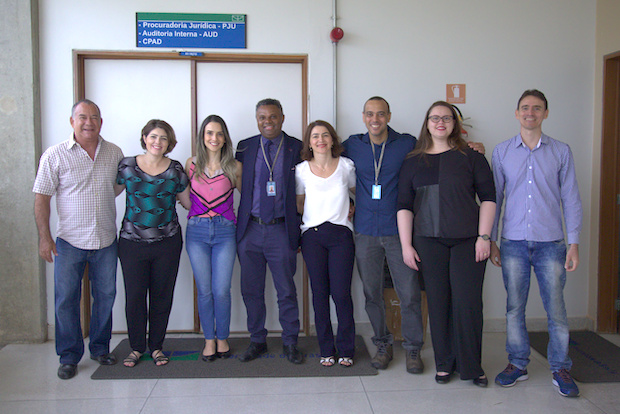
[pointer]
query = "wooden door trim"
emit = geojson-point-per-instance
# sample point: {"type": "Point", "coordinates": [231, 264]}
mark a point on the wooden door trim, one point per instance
{"type": "Point", "coordinates": [79, 92]}
{"type": "Point", "coordinates": [609, 220]}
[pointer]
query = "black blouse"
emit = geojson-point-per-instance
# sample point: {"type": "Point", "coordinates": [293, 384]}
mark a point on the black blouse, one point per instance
{"type": "Point", "coordinates": [441, 191]}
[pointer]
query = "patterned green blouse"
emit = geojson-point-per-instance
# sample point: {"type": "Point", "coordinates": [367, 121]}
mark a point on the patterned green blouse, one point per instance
{"type": "Point", "coordinates": [150, 213]}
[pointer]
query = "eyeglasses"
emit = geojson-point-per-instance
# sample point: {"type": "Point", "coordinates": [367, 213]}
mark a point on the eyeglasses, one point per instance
{"type": "Point", "coordinates": [446, 119]}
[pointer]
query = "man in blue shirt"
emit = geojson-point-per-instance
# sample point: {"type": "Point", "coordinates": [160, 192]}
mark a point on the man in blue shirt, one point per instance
{"type": "Point", "coordinates": [536, 176]}
{"type": "Point", "coordinates": [378, 156]}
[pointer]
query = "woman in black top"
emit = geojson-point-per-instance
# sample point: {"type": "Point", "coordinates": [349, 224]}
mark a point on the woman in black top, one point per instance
{"type": "Point", "coordinates": [444, 232]}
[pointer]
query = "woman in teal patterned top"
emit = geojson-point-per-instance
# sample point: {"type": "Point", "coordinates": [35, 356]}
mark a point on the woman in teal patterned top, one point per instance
{"type": "Point", "coordinates": [150, 240]}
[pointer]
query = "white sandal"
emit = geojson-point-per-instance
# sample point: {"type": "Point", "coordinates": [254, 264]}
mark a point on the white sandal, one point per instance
{"type": "Point", "coordinates": [345, 361]}
{"type": "Point", "coordinates": [327, 361]}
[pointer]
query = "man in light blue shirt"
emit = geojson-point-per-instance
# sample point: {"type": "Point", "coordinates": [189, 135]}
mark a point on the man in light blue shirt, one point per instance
{"type": "Point", "coordinates": [536, 175]}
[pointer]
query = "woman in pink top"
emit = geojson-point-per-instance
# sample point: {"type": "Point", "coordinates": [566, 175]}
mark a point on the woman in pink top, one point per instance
{"type": "Point", "coordinates": [210, 238]}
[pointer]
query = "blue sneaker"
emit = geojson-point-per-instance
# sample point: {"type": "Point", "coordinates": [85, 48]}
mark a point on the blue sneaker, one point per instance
{"type": "Point", "coordinates": [510, 376]}
{"type": "Point", "coordinates": [564, 382]}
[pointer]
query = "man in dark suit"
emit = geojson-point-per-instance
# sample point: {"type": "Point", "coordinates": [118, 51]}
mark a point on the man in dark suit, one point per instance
{"type": "Point", "coordinates": [268, 228]}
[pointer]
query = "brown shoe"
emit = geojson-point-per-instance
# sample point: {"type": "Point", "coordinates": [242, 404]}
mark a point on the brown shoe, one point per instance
{"type": "Point", "coordinates": [414, 362]}
{"type": "Point", "coordinates": [382, 358]}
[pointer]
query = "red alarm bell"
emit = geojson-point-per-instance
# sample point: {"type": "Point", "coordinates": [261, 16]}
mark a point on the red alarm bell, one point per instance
{"type": "Point", "coordinates": [336, 34]}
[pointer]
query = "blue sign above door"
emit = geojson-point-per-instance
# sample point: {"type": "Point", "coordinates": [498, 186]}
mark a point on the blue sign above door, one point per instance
{"type": "Point", "coordinates": [191, 30]}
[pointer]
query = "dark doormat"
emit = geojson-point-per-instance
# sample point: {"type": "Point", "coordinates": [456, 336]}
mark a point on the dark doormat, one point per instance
{"type": "Point", "coordinates": [185, 362]}
{"type": "Point", "coordinates": [595, 359]}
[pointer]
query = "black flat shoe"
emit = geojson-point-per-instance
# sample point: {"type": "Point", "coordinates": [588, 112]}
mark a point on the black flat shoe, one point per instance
{"type": "Point", "coordinates": [443, 379]}
{"type": "Point", "coordinates": [209, 358]}
{"type": "Point", "coordinates": [481, 381]}
{"type": "Point", "coordinates": [224, 355]}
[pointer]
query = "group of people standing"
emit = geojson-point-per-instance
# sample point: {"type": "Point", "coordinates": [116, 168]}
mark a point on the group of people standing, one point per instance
{"type": "Point", "coordinates": [378, 196]}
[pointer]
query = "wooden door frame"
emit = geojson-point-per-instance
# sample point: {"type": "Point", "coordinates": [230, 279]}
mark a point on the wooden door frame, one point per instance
{"type": "Point", "coordinates": [609, 220]}
{"type": "Point", "coordinates": [79, 92]}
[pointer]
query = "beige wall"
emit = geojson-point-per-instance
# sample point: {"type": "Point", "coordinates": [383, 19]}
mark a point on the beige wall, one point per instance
{"type": "Point", "coordinates": [22, 278]}
{"type": "Point", "coordinates": [607, 41]}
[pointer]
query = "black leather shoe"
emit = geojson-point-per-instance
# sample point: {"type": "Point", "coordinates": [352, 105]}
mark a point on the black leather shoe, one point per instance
{"type": "Point", "coordinates": [481, 381]}
{"type": "Point", "coordinates": [255, 350]}
{"type": "Point", "coordinates": [293, 354]}
{"type": "Point", "coordinates": [105, 359]}
{"type": "Point", "coordinates": [67, 371]}
{"type": "Point", "coordinates": [443, 379]}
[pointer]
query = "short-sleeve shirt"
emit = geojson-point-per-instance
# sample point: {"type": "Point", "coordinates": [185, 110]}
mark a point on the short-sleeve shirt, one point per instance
{"type": "Point", "coordinates": [151, 213]}
{"type": "Point", "coordinates": [84, 190]}
{"type": "Point", "coordinates": [327, 199]}
{"type": "Point", "coordinates": [441, 191]}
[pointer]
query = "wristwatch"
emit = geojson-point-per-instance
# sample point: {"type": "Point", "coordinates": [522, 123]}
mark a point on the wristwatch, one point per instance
{"type": "Point", "coordinates": [485, 237]}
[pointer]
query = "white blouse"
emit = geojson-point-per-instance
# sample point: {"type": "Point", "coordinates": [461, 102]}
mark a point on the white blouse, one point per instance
{"type": "Point", "coordinates": [327, 199]}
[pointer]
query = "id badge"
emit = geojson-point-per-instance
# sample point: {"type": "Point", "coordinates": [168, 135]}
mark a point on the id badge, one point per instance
{"type": "Point", "coordinates": [376, 192]}
{"type": "Point", "coordinates": [271, 188]}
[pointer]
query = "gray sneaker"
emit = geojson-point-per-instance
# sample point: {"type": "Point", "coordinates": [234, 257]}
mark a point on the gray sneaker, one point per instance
{"type": "Point", "coordinates": [382, 358]}
{"type": "Point", "coordinates": [414, 362]}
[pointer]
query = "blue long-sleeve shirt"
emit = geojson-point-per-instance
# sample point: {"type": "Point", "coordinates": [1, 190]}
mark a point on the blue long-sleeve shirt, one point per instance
{"type": "Point", "coordinates": [538, 186]}
{"type": "Point", "coordinates": [377, 218]}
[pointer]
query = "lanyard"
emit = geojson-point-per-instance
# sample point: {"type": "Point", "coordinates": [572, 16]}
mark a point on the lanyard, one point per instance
{"type": "Point", "coordinates": [374, 160]}
{"type": "Point", "coordinates": [269, 167]}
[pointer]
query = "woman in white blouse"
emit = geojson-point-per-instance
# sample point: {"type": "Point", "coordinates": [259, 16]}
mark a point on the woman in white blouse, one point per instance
{"type": "Point", "coordinates": [323, 181]}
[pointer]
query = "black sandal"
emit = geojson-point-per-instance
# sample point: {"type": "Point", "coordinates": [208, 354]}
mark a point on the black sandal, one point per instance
{"type": "Point", "coordinates": [133, 358]}
{"type": "Point", "coordinates": [159, 358]}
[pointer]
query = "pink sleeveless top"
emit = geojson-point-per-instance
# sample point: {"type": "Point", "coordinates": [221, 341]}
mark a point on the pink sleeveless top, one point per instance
{"type": "Point", "coordinates": [211, 196]}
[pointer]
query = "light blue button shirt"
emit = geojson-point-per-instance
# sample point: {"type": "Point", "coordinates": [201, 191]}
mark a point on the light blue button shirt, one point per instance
{"type": "Point", "coordinates": [538, 185]}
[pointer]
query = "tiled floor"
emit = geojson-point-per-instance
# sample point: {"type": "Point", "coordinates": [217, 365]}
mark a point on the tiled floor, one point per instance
{"type": "Point", "coordinates": [28, 384]}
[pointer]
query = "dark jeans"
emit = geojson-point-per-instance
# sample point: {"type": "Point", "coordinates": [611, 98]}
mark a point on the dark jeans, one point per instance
{"type": "Point", "coordinates": [453, 281]}
{"type": "Point", "coordinates": [329, 253]}
{"type": "Point", "coordinates": [149, 268]}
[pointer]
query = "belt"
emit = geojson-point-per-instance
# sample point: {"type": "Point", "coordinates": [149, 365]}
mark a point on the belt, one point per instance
{"type": "Point", "coordinates": [274, 221]}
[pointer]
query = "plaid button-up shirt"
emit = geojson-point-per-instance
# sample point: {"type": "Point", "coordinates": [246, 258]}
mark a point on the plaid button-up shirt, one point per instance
{"type": "Point", "coordinates": [84, 190]}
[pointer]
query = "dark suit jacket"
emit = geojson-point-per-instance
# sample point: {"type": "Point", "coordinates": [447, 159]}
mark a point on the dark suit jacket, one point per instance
{"type": "Point", "coordinates": [247, 151]}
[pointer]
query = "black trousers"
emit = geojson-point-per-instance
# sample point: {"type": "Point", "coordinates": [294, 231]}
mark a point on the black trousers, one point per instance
{"type": "Point", "coordinates": [453, 281]}
{"type": "Point", "coordinates": [149, 268]}
{"type": "Point", "coordinates": [329, 252]}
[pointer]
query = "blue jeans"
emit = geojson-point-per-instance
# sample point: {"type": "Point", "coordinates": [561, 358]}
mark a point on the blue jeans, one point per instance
{"type": "Point", "coordinates": [211, 246]}
{"type": "Point", "coordinates": [370, 253]}
{"type": "Point", "coordinates": [69, 268]}
{"type": "Point", "coordinates": [547, 259]}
